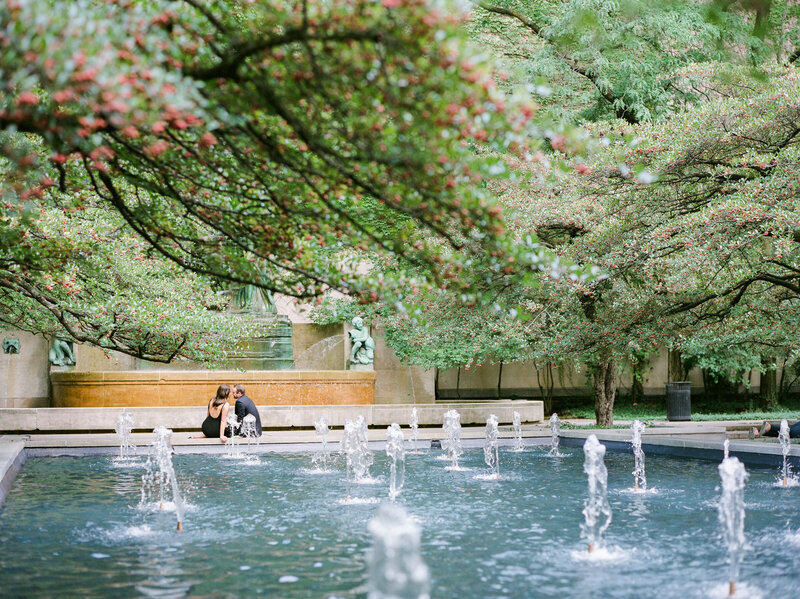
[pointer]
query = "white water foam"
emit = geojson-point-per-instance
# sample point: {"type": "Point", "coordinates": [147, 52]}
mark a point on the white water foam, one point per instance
{"type": "Point", "coordinates": [164, 506]}
{"type": "Point", "coordinates": [368, 480]}
{"type": "Point", "coordinates": [791, 481]}
{"type": "Point", "coordinates": [127, 463]}
{"type": "Point", "coordinates": [315, 471]}
{"type": "Point", "coordinates": [793, 537]}
{"type": "Point", "coordinates": [233, 456]}
{"type": "Point", "coordinates": [359, 501]}
{"type": "Point", "coordinates": [639, 491]}
{"type": "Point", "coordinates": [600, 554]}
{"type": "Point", "coordinates": [560, 454]}
{"type": "Point", "coordinates": [743, 591]}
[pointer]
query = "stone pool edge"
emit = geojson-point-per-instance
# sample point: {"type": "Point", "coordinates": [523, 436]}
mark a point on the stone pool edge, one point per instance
{"type": "Point", "coordinates": [12, 457]}
{"type": "Point", "coordinates": [750, 453]}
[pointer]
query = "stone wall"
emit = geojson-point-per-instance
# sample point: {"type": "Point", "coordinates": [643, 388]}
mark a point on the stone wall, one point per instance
{"type": "Point", "coordinates": [24, 377]}
{"type": "Point", "coordinates": [319, 347]}
{"type": "Point", "coordinates": [519, 380]}
{"type": "Point", "coordinates": [397, 383]}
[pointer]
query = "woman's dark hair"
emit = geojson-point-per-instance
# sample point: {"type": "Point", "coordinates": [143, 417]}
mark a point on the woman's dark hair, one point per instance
{"type": "Point", "coordinates": [223, 391]}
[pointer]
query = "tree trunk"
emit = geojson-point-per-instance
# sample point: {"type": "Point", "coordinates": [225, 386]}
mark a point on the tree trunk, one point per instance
{"type": "Point", "coordinates": [638, 371]}
{"type": "Point", "coordinates": [545, 382]}
{"type": "Point", "coordinates": [674, 366]}
{"type": "Point", "coordinates": [500, 381]}
{"type": "Point", "coordinates": [605, 391]}
{"type": "Point", "coordinates": [769, 382]}
{"type": "Point", "coordinates": [637, 391]}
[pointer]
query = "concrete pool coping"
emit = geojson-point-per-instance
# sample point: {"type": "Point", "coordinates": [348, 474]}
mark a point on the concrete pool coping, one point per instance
{"type": "Point", "coordinates": [698, 440]}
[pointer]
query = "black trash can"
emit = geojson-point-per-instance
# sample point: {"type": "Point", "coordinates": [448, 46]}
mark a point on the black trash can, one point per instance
{"type": "Point", "coordinates": [679, 400]}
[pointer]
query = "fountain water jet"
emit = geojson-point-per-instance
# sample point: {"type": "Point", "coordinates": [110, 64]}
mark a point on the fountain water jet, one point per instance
{"type": "Point", "coordinates": [726, 449]}
{"type": "Point", "coordinates": [159, 477]}
{"type": "Point", "coordinates": [397, 452]}
{"type": "Point", "coordinates": [452, 443]}
{"type": "Point", "coordinates": [124, 428]}
{"type": "Point", "coordinates": [490, 452]}
{"type": "Point", "coordinates": [358, 457]}
{"type": "Point", "coordinates": [731, 515]}
{"type": "Point", "coordinates": [555, 425]}
{"type": "Point", "coordinates": [349, 446]}
{"type": "Point", "coordinates": [321, 429]}
{"type": "Point", "coordinates": [249, 426]}
{"type": "Point", "coordinates": [596, 510]}
{"type": "Point", "coordinates": [783, 437]}
{"type": "Point", "coordinates": [249, 431]}
{"type": "Point", "coordinates": [517, 425]}
{"type": "Point", "coordinates": [231, 444]}
{"type": "Point", "coordinates": [364, 450]}
{"type": "Point", "coordinates": [639, 480]}
{"type": "Point", "coordinates": [414, 423]}
{"type": "Point", "coordinates": [396, 569]}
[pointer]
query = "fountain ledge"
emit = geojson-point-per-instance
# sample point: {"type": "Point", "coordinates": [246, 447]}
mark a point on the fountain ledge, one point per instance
{"type": "Point", "coordinates": [100, 419]}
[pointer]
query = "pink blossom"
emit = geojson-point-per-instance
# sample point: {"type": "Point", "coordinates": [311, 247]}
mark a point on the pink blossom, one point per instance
{"type": "Point", "coordinates": [27, 98]}
{"type": "Point", "coordinates": [157, 148]}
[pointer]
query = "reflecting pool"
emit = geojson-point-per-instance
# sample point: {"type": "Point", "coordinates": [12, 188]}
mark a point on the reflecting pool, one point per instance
{"type": "Point", "coordinates": [279, 527]}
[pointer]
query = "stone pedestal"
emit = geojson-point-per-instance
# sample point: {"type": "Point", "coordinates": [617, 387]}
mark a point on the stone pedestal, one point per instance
{"type": "Point", "coordinates": [362, 367]}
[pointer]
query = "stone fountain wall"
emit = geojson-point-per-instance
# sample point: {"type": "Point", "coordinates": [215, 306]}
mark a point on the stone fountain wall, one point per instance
{"type": "Point", "coordinates": [320, 354]}
{"type": "Point", "coordinates": [174, 388]}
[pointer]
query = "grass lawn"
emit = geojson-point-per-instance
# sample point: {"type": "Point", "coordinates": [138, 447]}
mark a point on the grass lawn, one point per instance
{"type": "Point", "coordinates": [653, 410]}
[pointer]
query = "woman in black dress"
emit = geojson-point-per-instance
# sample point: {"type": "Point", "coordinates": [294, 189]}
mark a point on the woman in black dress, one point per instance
{"type": "Point", "coordinates": [214, 424]}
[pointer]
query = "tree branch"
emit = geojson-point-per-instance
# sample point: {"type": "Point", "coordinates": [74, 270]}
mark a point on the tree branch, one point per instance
{"type": "Point", "coordinates": [583, 70]}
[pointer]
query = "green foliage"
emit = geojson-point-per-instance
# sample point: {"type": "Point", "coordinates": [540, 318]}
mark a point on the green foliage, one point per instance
{"type": "Point", "coordinates": [693, 219]}
{"type": "Point", "coordinates": [303, 137]}
{"type": "Point", "coordinates": [282, 145]}
{"type": "Point", "coordinates": [84, 274]}
{"type": "Point", "coordinates": [604, 60]}
{"type": "Point", "coordinates": [654, 413]}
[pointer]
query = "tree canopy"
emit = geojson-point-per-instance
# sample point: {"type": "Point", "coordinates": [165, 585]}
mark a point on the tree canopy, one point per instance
{"type": "Point", "coordinates": [269, 143]}
{"type": "Point", "coordinates": [157, 153]}
{"type": "Point", "coordinates": [693, 219]}
{"type": "Point", "coordinates": [629, 59]}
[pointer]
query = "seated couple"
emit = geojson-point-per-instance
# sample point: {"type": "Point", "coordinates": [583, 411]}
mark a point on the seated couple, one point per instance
{"type": "Point", "coordinates": [217, 415]}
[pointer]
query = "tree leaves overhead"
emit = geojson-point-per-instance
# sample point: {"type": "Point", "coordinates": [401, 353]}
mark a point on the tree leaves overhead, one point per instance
{"type": "Point", "coordinates": [83, 274]}
{"type": "Point", "coordinates": [602, 60]}
{"type": "Point", "coordinates": [267, 142]}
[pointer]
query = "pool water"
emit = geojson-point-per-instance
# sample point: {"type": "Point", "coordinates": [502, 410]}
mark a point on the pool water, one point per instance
{"type": "Point", "coordinates": [75, 527]}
